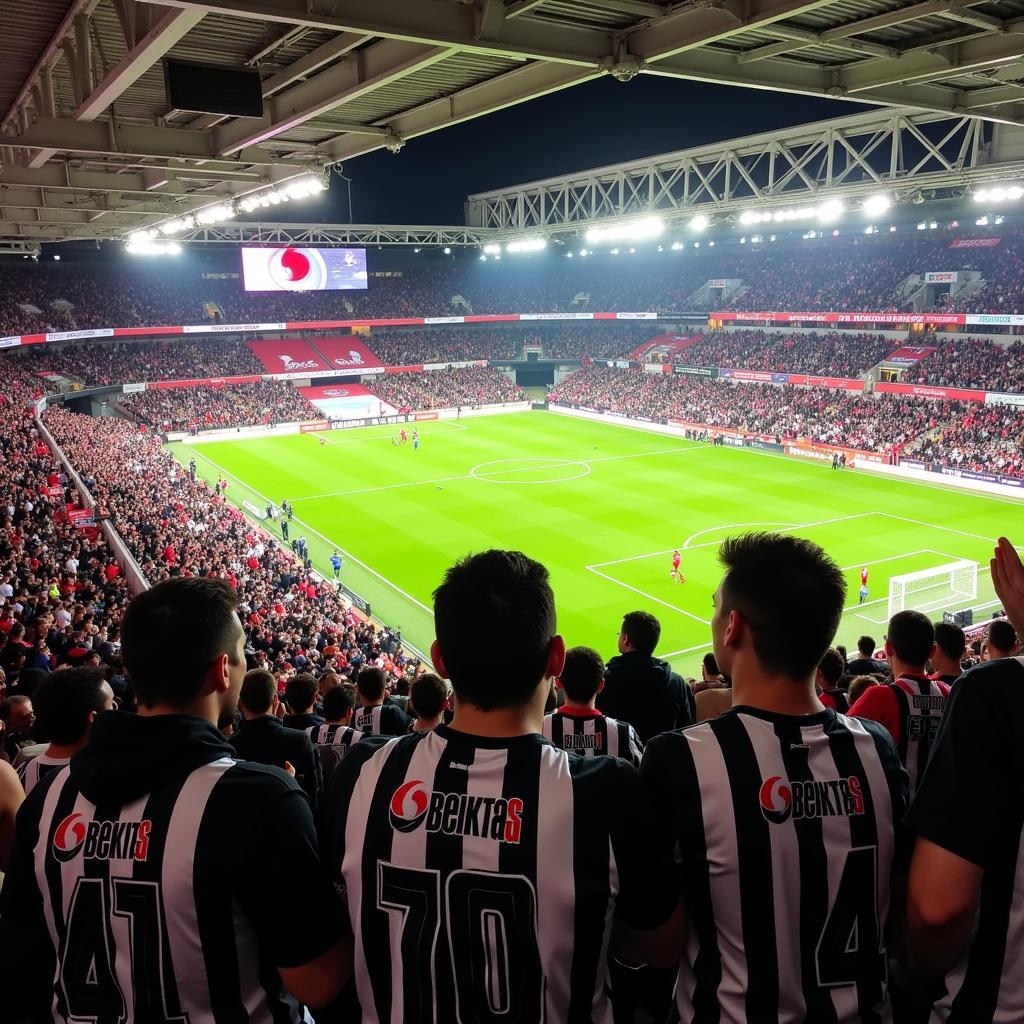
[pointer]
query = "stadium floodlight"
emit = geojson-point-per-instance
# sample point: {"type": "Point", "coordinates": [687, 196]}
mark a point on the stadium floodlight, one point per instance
{"type": "Point", "coordinates": [700, 222]}
{"type": "Point", "coordinates": [831, 210]}
{"type": "Point", "coordinates": [584, 252]}
{"type": "Point", "coordinates": [491, 249]}
{"type": "Point", "coordinates": [215, 214]}
{"type": "Point", "coordinates": [874, 206]}
{"type": "Point", "coordinates": [526, 245]}
{"type": "Point", "coordinates": [982, 222]}
{"type": "Point", "coordinates": [634, 231]}
{"type": "Point", "coordinates": [153, 248]}
{"type": "Point", "coordinates": [677, 246]}
{"type": "Point", "coordinates": [447, 250]}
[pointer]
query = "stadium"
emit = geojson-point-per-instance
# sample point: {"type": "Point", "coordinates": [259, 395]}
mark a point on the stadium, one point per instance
{"type": "Point", "coordinates": [717, 381]}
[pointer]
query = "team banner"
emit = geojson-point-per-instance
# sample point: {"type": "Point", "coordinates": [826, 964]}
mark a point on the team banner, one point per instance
{"type": "Point", "coordinates": [839, 383]}
{"type": "Point", "coordinates": [696, 371]}
{"type": "Point", "coordinates": [770, 317]}
{"type": "Point", "coordinates": [131, 389]}
{"type": "Point", "coordinates": [322, 391]}
{"type": "Point", "coordinates": [941, 277]}
{"type": "Point", "coordinates": [347, 352]}
{"type": "Point", "coordinates": [229, 328]}
{"type": "Point", "coordinates": [100, 332]}
{"type": "Point", "coordinates": [925, 391]}
{"type": "Point", "coordinates": [288, 356]}
{"type": "Point", "coordinates": [974, 243]}
{"type": "Point", "coordinates": [910, 354]}
{"type": "Point", "coordinates": [201, 382]}
{"type": "Point", "coordinates": [998, 398]}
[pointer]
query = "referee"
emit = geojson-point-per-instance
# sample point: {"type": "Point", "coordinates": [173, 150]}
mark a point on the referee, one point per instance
{"type": "Point", "coordinates": [141, 886]}
{"type": "Point", "coordinates": [783, 811]}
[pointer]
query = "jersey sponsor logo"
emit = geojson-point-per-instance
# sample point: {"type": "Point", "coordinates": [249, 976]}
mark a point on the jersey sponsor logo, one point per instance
{"type": "Point", "coordinates": [782, 799]}
{"type": "Point", "coordinates": [930, 702]}
{"type": "Point", "coordinates": [456, 814]}
{"type": "Point", "coordinates": [101, 840]}
{"type": "Point", "coordinates": [582, 741]}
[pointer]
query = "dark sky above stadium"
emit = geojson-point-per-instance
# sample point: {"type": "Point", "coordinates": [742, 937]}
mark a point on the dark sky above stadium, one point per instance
{"type": "Point", "coordinates": [602, 122]}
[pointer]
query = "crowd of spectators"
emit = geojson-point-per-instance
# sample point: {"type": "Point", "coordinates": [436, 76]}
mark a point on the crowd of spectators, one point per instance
{"type": "Point", "coordinates": [833, 353]}
{"type": "Point", "coordinates": [851, 272]}
{"type": "Point", "coordinates": [972, 363]}
{"type": "Point", "coordinates": [882, 423]}
{"type": "Point", "coordinates": [984, 438]}
{"type": "Point", "coordinates": [439, 389]}
{"type": "Point", "coordinates": [121, 362]}
{"type": "Point", "coordinates": [177, 525]}
{"type": "Point", "coordinates": [261, 403]}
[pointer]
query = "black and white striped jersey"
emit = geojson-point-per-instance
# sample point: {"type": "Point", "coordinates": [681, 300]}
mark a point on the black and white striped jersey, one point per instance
{"type": "Point", "coordinates": [332, 743]}
{"type": "Point", "coordinates": [785, 830]}
{"type": "Point", "coordinates": [381, 720]}
{"type": "Point", "coordinates": [593, 734]}
{"type": "Point", "coordinates": [482, 875]}
{"type": "Point", "coordinates": [142, 878]}
{"type": "Point", "coordinates": [35, 769]}
{"type": "Point", "coordinates": [971, 803]}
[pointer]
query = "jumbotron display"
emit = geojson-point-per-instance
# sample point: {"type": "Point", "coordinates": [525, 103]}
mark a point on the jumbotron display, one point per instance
{"type": "Point", "coordinates": [293, 269]}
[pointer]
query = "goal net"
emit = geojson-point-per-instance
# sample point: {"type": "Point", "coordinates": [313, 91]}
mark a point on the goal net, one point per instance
{"type": "Point", "coordinates": [930, 589]}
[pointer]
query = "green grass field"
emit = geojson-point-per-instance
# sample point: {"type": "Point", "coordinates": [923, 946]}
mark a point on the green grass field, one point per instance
{"type": "Point", "coordinates": [602, 506]}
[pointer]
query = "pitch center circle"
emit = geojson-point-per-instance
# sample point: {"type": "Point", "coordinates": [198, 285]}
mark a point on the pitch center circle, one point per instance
{"type": "Point", "coordinates": [530, 471]}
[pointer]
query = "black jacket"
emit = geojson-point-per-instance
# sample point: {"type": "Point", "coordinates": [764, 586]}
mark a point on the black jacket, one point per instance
{"type": "Point", "coordinates": [266, 741]}
{"type": "Point", "coordinates": [866, 667]}
{"type": "Point", "coordinates": [644, 691]}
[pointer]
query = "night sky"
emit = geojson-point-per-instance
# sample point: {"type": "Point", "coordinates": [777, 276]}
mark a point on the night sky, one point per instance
{"type": "Point", "coordinates": [602, 122]}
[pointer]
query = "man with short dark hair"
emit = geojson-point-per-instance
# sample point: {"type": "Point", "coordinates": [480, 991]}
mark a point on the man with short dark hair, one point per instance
{"type": "Point", "coordinates": [865, 664]}
{"type": "Point", "coordinates": [641, 689]}
{"type": "Point", "coordinates": [1000, 640]}
{"type": "Point", "coordinates": [262, 736]}
{"type": "Point", "coordinates": [300, 696]}
{"type": "Point", "coordinates": [335, 737]}
{"type": "Point", "coordinates": [783, 811]}
{"type": "Point", "coordinates": [486, 870]}
{"type": "Point", "coordinates": [18, 717]}
{"type": "Point", "coordinates": [577, 726]}
{"type": "Point", "coordinates": [428, 698]}
{"type": "Point", "coordinates": [829, 672]}
{"type": "Point", "coordinates": [950, 644]}
{"type": "Point", "coordinates": [964, 922]}
{"type": "Point", "coordinates": [911, 706]}
{"type": "Point", "coordinates": [66, 704]}
{"type": "Point", "coordinates": [374, 717]}
{"type": "Point", "coordinates": [141, 882]}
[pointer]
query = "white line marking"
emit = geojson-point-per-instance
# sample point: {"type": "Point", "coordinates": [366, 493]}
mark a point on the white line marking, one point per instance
{"type": "Point", "coordinates": [736, 526]}
{"type": "Point", "coordinates": [685, 650]}
{"type": "Point", "coordinates": [493, 476]}
{"type": "Point", "coordinates": [939, 526]}
{"type": "Point", "coordinates": [649, 597]}
{"type": "Point", "coordinates": [317, 533]}
{"type": "Point", "coordinates": [470, 476]}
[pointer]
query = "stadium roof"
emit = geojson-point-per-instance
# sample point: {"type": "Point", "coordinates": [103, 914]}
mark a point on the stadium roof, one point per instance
{"type": "Point", "coordinates": [90, 148]}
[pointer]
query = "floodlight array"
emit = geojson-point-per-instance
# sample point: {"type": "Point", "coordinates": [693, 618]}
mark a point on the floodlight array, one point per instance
{"type": "Point", "coordinates": [999, 194]}
{"type": "Point", "coordinates": [634, 231]}
{"type": "Point", "coordinates": [147, 248]}
{"type": "Point", "coordinates": [526, 245]}
{"type": "Point", "coordinates": [830, 210]}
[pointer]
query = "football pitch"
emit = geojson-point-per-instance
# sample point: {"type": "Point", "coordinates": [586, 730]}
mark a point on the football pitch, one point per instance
{"type": "Point", "coordinates": [602, 506]}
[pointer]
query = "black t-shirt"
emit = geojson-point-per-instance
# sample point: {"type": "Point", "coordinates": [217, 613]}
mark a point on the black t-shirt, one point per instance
{"type": "Point", "coordinates": [971, 803]}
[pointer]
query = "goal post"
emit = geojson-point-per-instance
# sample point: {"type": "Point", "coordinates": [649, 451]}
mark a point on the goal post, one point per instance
{"type": "Point", "coordinates": [929, 589]}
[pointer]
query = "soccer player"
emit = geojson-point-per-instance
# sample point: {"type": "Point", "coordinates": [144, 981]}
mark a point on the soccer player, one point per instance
{"type": "Point", "coordinates": [403, 437]}
{"type": "Point", "coordinates": [374, 717]}
{"type": "Point", "coordinates": [66, 703]}
{"type": "Point", "coordinates": [911, 706]}
{"type": "Point", "coordinates": [323, 441]}
{"type": "Point", "coordinates": [863, 592]}
{"type": "Point", "coordinates": [864, 576]}
{"type": "Point", "coordinates": [577, 726]}
{"type": "Point", "coordinates": [141, 886]}
{"type": "Point", "coordinates": [783, 811]}
{"type": "Point", "coordinates": [336, 563]}
{"type": "Point", "coordinates": [415, 439]}
{"type": "Point", "coordinates": [486, 870]}
{"type": "Point", "coordinates": [676, 572]}
{"type": "Point", "coordinates": [964, 919]}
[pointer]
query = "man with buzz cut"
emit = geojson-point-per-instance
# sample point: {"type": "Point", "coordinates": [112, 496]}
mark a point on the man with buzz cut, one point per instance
{"type": "Point", "coordinates": [642, 689]}
{"type": "Point", "coordinates": [783, 811]}
{"type": "Point", "coordinates": [487, 872]}
{"type": "Point", "coordinates": [374, 717]}
{"type": "Point", "coordinates": [141, 886]}
{"type": "Point", "coordinates": [578, 726]}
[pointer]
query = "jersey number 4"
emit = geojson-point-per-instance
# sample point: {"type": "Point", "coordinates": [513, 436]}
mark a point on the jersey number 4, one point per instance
{"type": "Point", "coordinates": [88, 984]}
{"type": "Point", "coordinates": [490, 921]}
{"type": "Point", "coordinates": [849, 949]}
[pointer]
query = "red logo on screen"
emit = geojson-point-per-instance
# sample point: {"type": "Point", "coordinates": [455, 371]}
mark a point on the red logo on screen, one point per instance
{"type": "Point", "coordinates": [296, 264]}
